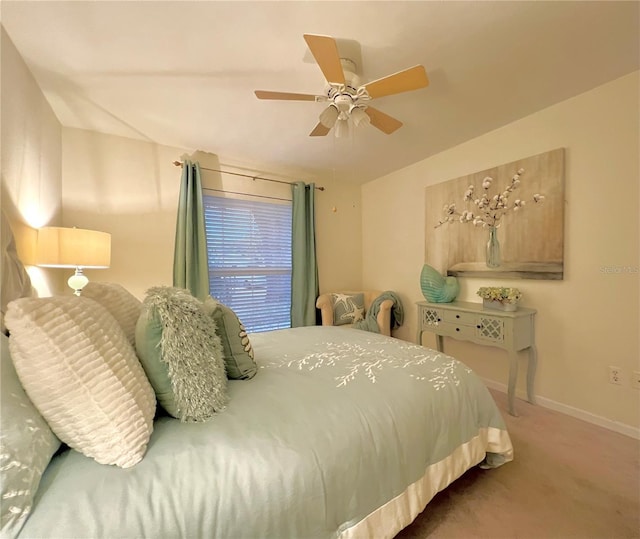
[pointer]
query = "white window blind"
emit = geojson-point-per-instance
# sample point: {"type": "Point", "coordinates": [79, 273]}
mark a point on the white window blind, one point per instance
{"type": "Point", "coordinates": [249, 255]}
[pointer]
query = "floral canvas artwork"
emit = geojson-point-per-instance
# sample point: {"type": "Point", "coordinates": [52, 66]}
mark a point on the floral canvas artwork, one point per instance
{"type": "Point", "coordinates": [521, 204]}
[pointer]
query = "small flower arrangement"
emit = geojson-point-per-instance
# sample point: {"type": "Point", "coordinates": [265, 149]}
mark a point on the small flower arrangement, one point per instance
{"type": "Point", "coordinates": [501, 294]}
{"type": "Point", "coordinates": [489, 209]}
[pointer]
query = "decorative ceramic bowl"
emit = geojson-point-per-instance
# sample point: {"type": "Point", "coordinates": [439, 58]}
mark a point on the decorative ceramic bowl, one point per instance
{"type": "Point", "coordinates": [436, 288]}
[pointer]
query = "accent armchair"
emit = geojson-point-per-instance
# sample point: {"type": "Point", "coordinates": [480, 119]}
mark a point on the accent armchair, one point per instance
{"type": "Point", "coordinates": [325, 303]}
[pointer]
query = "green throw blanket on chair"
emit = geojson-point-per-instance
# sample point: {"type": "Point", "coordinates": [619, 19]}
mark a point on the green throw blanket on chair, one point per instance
{"type": "Point", "coordinates": [370, 322]}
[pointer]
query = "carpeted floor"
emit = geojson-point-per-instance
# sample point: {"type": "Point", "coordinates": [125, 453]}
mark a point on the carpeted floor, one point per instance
{"type": "Point", "coordinates": [568, 479]}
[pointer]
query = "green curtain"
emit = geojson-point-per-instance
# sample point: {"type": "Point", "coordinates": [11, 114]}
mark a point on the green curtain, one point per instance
{"type": "Point", "coordinates": [304, 268]}
{"type": "Point", "coordinates": [190, 269]}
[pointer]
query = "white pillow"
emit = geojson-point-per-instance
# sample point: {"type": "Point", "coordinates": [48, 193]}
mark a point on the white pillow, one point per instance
{"type": "Point", "coordinates": [81, 373]}
{"type": "Point", "coordinates": [121, 303]}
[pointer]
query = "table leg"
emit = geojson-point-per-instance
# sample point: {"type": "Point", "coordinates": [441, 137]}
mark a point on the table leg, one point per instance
{"type": "Point", "coordinates": [513, 376]}
{"type": "Point", "coordinates": [439, 341]}
{"type": "Point", "coordinates": [531, 373]}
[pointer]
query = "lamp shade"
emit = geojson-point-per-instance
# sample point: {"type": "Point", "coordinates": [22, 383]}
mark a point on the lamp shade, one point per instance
{"type": "Point", "coordinates": [59, 247]}
{"type": "Point", "coordinates": [329, 116]}
{"type": "Point", "coordinates": [359, 116]}
{"type": "Point", "coordinates": [342, 128]}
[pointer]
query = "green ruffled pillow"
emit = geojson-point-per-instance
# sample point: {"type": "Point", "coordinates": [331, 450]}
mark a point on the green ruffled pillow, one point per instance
{"type": "Point", "coordinates": [238, 352]}
{"type": "Point", "coordinates": [181, 353]}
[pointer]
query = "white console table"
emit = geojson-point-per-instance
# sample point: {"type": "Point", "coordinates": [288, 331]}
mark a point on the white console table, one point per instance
{"type": "Point", "coordinates": [511, 331]}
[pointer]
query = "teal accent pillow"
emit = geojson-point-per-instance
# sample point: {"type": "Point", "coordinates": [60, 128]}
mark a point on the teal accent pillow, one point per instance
{"type": "Point", "coordinates": [26, 447]}
{"type": "Point", "coordinates": [181, 353]}
{"type": "Point", "coordinates": [238, 352]}
{"type": "Point", "coordinates": [347, 308]}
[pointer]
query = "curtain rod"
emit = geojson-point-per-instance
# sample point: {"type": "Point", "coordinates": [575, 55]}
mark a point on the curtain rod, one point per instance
{"type": "Point", "coordinates": [179, 164]}
{"type": "Point", "coordinates": [245, 194]}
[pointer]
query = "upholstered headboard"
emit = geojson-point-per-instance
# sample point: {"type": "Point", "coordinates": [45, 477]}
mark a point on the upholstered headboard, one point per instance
{"type": "Point", "coordinates": [15, 279]}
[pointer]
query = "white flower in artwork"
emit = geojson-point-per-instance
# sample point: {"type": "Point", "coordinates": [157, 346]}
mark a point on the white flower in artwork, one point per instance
{"type": "Point", "coordinates": [468, 195]}
{"type": "Point", "coordinates": [450, 209]}
{"type": "Point", "coordinates": [538, 198]}
{"type": "Point", "coordinates": [489, 209]}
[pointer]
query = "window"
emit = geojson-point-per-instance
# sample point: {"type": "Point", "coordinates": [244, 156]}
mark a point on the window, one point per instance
{"type": "Point", "coordinates": [249, 256]}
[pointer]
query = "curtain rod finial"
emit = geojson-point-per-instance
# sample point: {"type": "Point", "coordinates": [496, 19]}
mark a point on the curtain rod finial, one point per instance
{"type": "Point", "coordinates": [177, 163]}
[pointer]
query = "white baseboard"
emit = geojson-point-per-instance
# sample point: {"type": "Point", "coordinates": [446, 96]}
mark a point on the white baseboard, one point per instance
{"type": "Point", "coordinates": [615, 426]}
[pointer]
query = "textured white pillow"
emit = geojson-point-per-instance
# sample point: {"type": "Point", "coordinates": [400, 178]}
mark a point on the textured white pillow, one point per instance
{"type": "Point", "coordinates": [76, 365]}
{"type": "Point", "coordinates": [121, 303]}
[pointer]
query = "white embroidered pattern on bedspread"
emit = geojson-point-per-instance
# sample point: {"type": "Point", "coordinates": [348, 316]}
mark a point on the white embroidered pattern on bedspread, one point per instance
{"type": "Point", "coordinates": [354, 360]}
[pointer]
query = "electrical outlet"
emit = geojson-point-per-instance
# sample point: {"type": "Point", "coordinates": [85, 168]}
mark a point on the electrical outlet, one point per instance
{"type": "Point", "coordinates": [635, 381]}
{"type": "Point", "coordinates": [615, 375]}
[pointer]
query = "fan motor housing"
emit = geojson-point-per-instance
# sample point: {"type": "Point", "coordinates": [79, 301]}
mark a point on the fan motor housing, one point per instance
{"type": "Point", "coordinates": [343, 101]}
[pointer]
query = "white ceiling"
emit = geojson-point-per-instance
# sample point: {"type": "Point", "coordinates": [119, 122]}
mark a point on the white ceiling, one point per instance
{"type": "Point", "coordinates": [183, 73]}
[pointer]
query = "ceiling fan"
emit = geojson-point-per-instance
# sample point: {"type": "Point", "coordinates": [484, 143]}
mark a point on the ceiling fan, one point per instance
{"type": "Point", "coordinates": [346, 97]}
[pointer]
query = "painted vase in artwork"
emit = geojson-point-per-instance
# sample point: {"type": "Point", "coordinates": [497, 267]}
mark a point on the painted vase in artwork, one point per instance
{"type": "Point", "coordinates": [493, 256]}
{"type": "Point", "coordinates": [436, 288]}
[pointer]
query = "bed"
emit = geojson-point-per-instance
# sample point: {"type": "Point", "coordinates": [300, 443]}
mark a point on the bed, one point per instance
{"type": "Point", "coordinates": [338, 433]}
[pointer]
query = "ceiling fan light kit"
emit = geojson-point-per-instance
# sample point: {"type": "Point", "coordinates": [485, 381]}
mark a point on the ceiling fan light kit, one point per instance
{"type": "Point", "coordinates": [342, 128]}
{"type": "Point", "coordinates": [329, 116]}
{"type": "Point", "coordinates": [359, 116]}
{"type": "Point", "coordinates": [348, 99]}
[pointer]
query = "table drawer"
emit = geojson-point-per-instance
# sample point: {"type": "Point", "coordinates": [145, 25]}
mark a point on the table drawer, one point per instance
{"type": "Point", "coordinates": [461, 318]}
{"type": "Point", "coordinates": [460, 331]}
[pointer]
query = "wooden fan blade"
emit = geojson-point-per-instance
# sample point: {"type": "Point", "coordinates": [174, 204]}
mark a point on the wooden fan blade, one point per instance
{"type": "Point", "coordinates": [325, 51]}
{"type": "Point", "coordinates": [264, 94]}
{"type": "Point", "coordinates": [387, 124]}
{"type": "Point", "coordinates": [403, 81]}
{"type": "Point", "coordinates": [319, 131]}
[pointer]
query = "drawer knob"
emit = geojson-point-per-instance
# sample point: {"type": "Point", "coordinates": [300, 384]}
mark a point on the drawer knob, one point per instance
{"type": "Point", "coordinates": [457, 329]}
{"type": "Point", "coordinates": [457, 316]}
{"type": "Point", "coordinates": [439, 319]}
{"type": "Point", "coordinates": [479, 326]}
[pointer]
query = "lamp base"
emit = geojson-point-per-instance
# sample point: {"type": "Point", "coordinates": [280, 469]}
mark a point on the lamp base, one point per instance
{"type": "Point", "coordinates": [77, 281]}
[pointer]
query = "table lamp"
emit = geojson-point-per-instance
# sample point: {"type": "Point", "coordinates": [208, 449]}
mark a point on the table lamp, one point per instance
{"type": "Point", "coordinates": [78, 248]}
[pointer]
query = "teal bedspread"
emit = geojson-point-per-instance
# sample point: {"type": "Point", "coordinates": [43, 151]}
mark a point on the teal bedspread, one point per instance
{"type": "Point", "coordinates": [341, 433]}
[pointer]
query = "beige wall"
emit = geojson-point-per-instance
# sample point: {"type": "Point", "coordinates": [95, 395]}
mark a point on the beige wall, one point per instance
{"type": "Point", "coordinates": [129, 188]}
{"type": "Point", "coordinates": [31, 162]}
{"type": "Point", "coordinates": [339, 236]}
{"type": "Point", "coordinates": [584, 323]}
